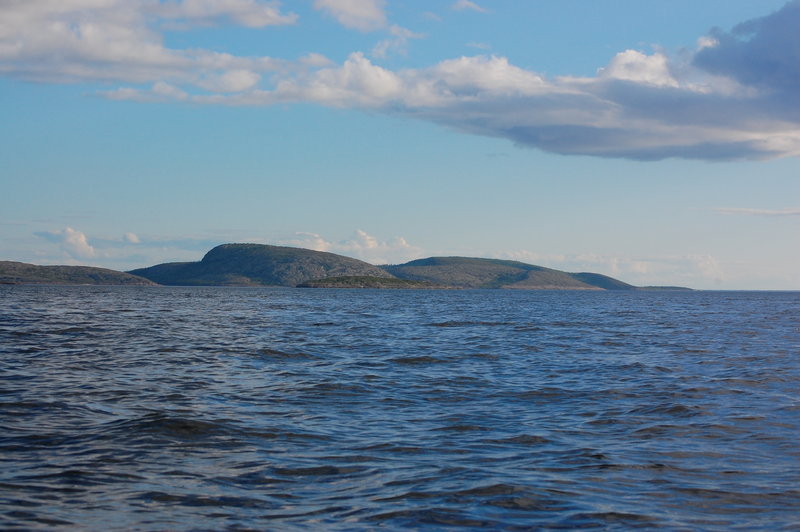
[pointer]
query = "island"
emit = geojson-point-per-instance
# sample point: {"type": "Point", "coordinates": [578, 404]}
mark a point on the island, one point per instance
{"type": "Point", "coordinates": [23, 273]}
{"type": "Point", "coordinates": [267, 265]}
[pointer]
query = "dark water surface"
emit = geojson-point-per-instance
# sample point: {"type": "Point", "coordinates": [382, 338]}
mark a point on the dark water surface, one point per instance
{"type": "Point", "coordinates": [131, 408]}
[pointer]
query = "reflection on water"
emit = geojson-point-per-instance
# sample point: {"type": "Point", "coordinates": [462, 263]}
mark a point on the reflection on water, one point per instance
{"type": "Point", "coordinates": [224, 408]}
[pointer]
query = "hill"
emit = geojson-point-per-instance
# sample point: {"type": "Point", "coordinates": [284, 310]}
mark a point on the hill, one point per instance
{"type": "Point", "coordinates": [23, 273]}
{"type": "Point", "coordinates": [259, 265]}
{"type": "Point", "coordinates": [468, 272]}
{"type": "Point", "coordinates": [264, 265]}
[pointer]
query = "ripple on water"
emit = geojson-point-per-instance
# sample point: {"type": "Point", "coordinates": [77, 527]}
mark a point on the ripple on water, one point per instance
{"type": "Point", "coordinates": [224, 408]}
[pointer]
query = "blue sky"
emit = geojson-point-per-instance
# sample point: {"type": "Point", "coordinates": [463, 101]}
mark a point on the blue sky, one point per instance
{"type": "Point", "coordinates": [653, 141]}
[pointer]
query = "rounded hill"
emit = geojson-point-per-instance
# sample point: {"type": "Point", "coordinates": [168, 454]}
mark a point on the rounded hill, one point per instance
{"type": "Point", "coordinates": [259, 265]}
{"type": "Point", "coordinates": [470, 272]}
{"type": "Point", "coordinates": [22, 273]}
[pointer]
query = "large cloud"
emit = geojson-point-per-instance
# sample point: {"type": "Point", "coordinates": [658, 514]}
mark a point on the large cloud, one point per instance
{"type": "Point", "coordinates": [735, 97]}
{"type": "Point", "coordinates": [640, 106]}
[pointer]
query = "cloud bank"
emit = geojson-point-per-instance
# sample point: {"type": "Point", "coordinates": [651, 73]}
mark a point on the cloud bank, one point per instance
{"type": "Point", "coordinates": [734, 97]}
{"type": "Point", "coordinates": [686, 270]}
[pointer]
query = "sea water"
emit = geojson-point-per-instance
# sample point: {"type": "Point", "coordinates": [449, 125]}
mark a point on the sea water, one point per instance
{"type": "Point", "coordinates": [155, 408]}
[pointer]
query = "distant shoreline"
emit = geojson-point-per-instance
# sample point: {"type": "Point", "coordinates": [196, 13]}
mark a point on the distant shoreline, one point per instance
{"type": "Point", "coordinates": [265, 265]}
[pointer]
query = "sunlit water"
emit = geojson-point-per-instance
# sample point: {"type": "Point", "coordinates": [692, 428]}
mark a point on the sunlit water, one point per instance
{"type": "Point", "coordinates": [224, 408]}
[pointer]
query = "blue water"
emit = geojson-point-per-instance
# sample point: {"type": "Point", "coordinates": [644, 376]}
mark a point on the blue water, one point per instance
{"type": "Point", "coordinates": [154, 408]}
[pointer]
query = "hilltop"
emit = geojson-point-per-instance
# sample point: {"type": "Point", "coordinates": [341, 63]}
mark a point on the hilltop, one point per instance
{"type": "Point", "coordinates": [468, 272]}
{"type": "Point", "coordinates": [259, 265]}
{"type": "Point", "coordinates": [23, 273]}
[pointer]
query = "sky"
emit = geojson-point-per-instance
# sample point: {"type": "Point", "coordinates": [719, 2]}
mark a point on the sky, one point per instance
{"type": "Point", "coordinates": [653, 141]}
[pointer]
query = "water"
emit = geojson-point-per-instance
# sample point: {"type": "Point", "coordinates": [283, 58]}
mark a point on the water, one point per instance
{"type": "Point", "coordinates": [225, 408]}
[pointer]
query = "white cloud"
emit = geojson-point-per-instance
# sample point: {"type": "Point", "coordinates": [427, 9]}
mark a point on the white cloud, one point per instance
{"type": "Point", "coordinates": [75, 243]}
{"type": "Point", "coordinates": [635, 66]}
{"type": "Point", "coordinates": [131, 238]}
{"type": "Point", "coordinates": [72, 242]}
{"type": "Point", "coordinates": [638, 107]}
{"type": "Point", "coordinates": [706, 42]}
{"type": "Point", "coordinates": [360, 245]}
{"type": "Point", "coordinates": [362, 15]}
{"type": "Point", "coordinates": [306, 240]}
{"type": "Point", "coordinates": [479, 45]}
{"type": "Point", "coordinates": [249, 13]}
{"type": "Point", "coordinates": [237, 80]}
{"type": "Point", "coordinates": [165, 90]}
{"type": "Point", "coordinates": [397, 43]}
{"type": "Point", "coordinates": [468, 78]}
{"type": "Point", "coordinates": [121, 41]}
{"type": "Point", "coordinates": [357, 81]}
{"type": "Point", "coordinates": [158, 92]}
{"type": "Point", "coordinates": [467, 5]}
{"type": "Point", "coordinates": [757, 212]}
{"type": "Point", "coordinates": [652, 116]}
